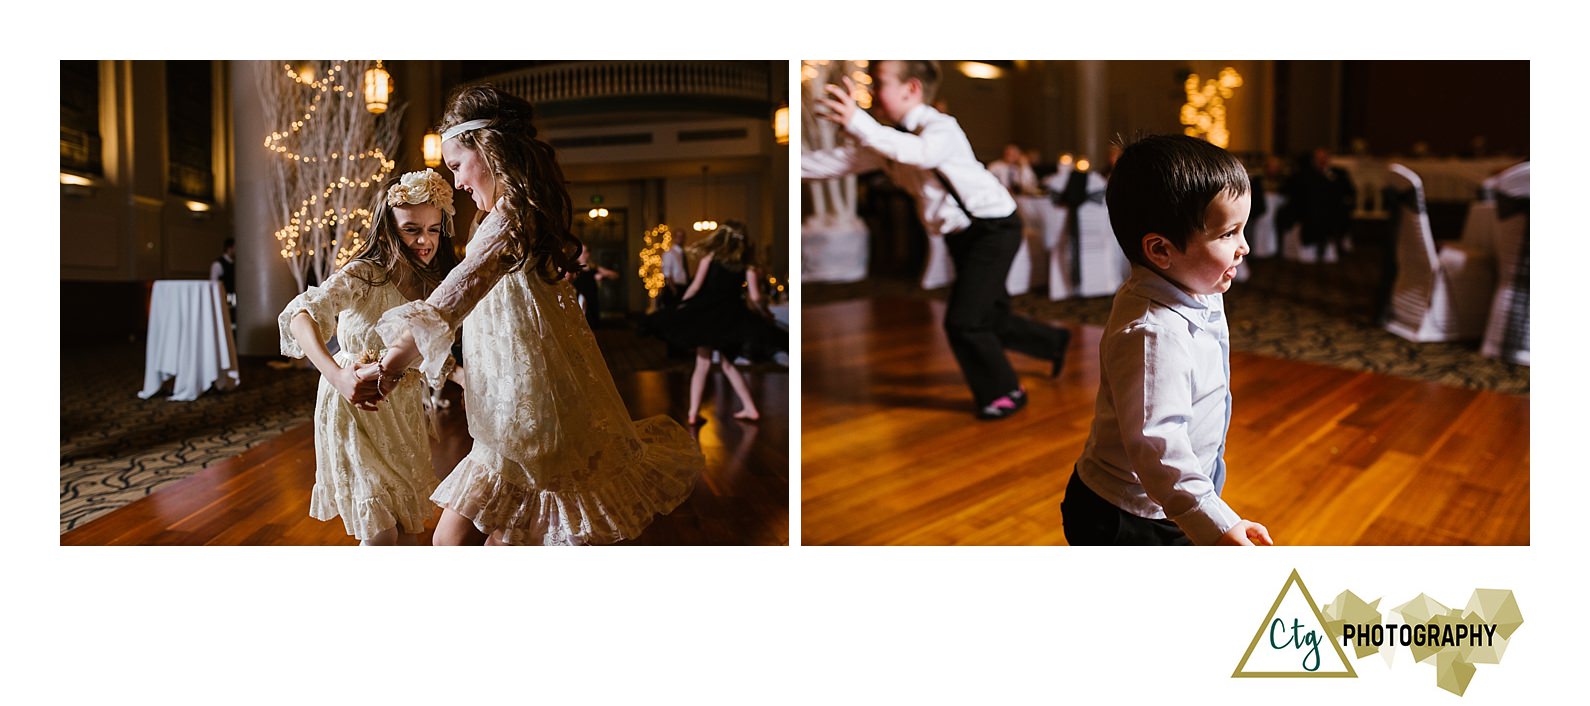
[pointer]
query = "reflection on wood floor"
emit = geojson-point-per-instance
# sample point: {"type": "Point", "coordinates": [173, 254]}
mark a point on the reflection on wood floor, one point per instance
{"type": "Point", "coordinates": [1322, 456]}
{"type": "Point", "coordinates": [262, 495]}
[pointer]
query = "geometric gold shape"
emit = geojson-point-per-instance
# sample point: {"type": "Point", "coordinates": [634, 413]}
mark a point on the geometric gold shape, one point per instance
{"type": "Point", "coordinates": [1349, 609]}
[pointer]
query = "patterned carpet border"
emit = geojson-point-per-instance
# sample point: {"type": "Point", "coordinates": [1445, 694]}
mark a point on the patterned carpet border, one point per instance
{"type": "Point", "coordinates": [116, 448]}
{"type": "Point", "coordinates": [1318, 313]}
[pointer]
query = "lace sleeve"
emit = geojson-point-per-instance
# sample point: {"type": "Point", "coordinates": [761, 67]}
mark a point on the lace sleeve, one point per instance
{"type": "Point", "coordinates": [322, 304]}
{"type": "Point", "coordinates": [434, 322]}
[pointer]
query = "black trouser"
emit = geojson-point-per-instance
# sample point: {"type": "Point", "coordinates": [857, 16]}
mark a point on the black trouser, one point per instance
{"type": "Point", "coordinates": [978, 320]}
{"type": "Point", "coordinates": [1090, 520]}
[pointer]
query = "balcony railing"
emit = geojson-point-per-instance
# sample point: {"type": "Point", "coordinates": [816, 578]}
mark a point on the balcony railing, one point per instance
{"type": "Point", "coordinates": [618, 79]}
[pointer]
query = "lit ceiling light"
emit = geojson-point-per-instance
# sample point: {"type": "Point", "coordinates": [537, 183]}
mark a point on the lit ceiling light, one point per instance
{"type": "Point", "coordinates": [978, 69]}
{"type": "Point", "coordinates": [377, 89]}
{"type": "Point", "coordinates": [433, 149]}
{"type": "Point", "coordinates": [781, 125]}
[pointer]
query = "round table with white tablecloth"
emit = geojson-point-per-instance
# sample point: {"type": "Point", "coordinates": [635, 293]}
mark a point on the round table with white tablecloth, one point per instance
{"type": "Point", "coordinates": [190, 339]}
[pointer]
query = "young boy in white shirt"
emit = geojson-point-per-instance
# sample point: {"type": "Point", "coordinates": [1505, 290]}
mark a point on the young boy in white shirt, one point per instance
{"type": "Point", "coordinates": [1154, 464]}
{"type": "Point", "coordinates": [927, 154]}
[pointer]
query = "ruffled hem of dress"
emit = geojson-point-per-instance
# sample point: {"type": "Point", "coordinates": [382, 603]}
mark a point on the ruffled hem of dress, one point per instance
{"type": "Point", "coordinates": [432, 336]}
{"type": "Point", "coordinates": [611, 505]}
{"type": "Point", "coordinates": [368, 517]}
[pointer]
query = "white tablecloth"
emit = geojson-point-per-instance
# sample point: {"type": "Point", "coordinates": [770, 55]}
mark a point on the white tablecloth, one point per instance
{"type": "Point", "coordinates": [940, 269]}
{"type": "Point", "coordinates": [1444, 179]}
{"type": "Point", "coordinates": [1039, 232]}
{"type": "Point", "coordinates": [190, 339]}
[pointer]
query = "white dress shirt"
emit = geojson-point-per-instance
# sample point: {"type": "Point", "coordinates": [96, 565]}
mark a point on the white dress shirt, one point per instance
{"type": "Point", "coordinates": [1017, 178]}
{"type": "Point", "coordinates": [216, 271]}
{"type": "Point", "coordinates": [673, 266]}
{"type": "Point", "coordinates": [932, 141]}
{"type": "Point", "coordinates": [1158, 441]}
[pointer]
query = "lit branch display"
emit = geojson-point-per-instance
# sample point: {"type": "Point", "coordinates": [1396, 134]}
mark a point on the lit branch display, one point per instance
{"type": "Point", "coordinates": [658, 240]}
{"type": "Point", "coordinates": [331, 158]}
{"type": "Point", "coordinates": [1204, 113]}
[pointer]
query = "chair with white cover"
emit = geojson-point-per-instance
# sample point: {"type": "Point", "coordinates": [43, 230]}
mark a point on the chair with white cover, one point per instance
{"type": "Point", "coordinates": [1507, 331]}
{"type": "Point", "coordinates": [1263, 241]}
{"type": "Point", "coordinates": [1104, 267]}
{"type": "Point", "coordinates": [1060, 256]}
{"type": "Point", "coordinates": [1440, 294]}
{"type": "Point", "coordinates": [1087, 261]}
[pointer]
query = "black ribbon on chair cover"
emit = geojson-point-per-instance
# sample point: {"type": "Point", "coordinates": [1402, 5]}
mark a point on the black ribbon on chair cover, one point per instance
{"type": "Point", "coordinates": [1507, 206]}
{"type": "Point", "coordinates": [1072, 197]}
{"type": "Point", "coordinates": [1076, 190]}
{"type": "Point", "coordinates": [1398, 199]}
{"type": "Point", "coordinates": [1516, 337]}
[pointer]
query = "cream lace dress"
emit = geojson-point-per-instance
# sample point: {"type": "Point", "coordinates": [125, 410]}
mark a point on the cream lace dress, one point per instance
{"type": "Point", "coordinates": [556, 459]}
{"type": "Point", "coordinates": [372, 469]}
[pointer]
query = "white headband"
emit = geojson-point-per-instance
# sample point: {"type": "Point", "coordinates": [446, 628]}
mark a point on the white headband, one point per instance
{"type": "Point", "coordinates": [464, 127]}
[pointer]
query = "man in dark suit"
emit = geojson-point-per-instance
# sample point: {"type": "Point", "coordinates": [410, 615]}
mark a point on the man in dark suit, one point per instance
{"type": "Point", "coordinates": [1321, 198]}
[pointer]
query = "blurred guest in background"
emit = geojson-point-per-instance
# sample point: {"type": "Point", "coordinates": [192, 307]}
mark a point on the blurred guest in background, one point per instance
{"type": "Point", "coordinates": [1321, 198]}
{"type": "Point", "coordinates": [1014, 171]}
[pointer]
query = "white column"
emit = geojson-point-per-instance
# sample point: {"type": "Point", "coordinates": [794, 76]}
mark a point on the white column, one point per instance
{"type": "Point", "coordinates": [264, 284]}
{"type": "Point", "coordinates": [1092, 108]}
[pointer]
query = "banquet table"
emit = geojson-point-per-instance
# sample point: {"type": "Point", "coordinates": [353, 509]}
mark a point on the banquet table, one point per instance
{"type": "Point", "coordinates": [1444, 179]}
{"type": "Point", "coordinates": [940, 269]}
{"type": "Point", "coordinates": [190, 339]}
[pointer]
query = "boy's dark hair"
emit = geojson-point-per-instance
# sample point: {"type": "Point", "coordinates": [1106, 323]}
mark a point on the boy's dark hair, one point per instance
{"type": "Point", "coordinates": [924, 71]}
{"type": "Point", "coordinates": [1163, 184]}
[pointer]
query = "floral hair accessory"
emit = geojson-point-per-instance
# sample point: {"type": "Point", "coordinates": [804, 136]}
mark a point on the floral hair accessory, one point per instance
{"type": "Point", "coordinates": [415, 188]}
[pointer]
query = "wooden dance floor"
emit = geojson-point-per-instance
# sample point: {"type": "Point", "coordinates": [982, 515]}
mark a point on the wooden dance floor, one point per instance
{"type": "Point", "coordinates": [262, 495]}
{"type": "Point", "coordinates": [892, 455]}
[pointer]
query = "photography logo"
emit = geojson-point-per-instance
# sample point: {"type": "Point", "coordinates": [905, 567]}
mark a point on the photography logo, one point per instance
{"type": "Point", "coordinates": [1301, 638]}
{"type": "Point", "coordinates": [1293, 640]}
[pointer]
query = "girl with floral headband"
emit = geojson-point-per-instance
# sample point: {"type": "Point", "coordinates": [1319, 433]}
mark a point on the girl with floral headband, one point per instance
{"type": "Point", "coordinates": [556, 458]}
{"type": "Point", "coordinates": [373, 466]}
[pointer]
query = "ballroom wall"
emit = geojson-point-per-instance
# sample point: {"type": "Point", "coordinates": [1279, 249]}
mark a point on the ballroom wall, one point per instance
{"type": "Point", "coordinates": [1445, 104]}
{"type": "Point", "coordinates": [126, 226]}
{"type": "Point", "coordinates": [1080, 106]}
{"type": "Point", "coordinates": [1288, 107]}
{"type": "Point", "coordinates": [126, 230]}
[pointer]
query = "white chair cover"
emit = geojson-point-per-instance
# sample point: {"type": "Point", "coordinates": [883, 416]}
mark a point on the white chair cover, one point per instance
{"type": "Point", "coordinates": [1102, 267]}
{"type": "Point", "coordinates": [1292, 248]}
{"type": "Point", "coordinates": [833, 249]}
{"type": "Point", "coordinates": [1263, 241]}
{"type": "Point", "coordinates": [1019, 279]}
{"type": "Point", "coordinates": [1439, 294]}
{"type": "Point", "coordinates": [1037, 222]}
{"type": "Point", "coordinates": [1507, 331]}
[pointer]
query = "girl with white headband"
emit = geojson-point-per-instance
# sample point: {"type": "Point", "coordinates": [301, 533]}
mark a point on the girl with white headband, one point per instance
{"type": "Point", "coordinates": [373, 467]}
{"type": "Point", "coordinates": [556, 458]}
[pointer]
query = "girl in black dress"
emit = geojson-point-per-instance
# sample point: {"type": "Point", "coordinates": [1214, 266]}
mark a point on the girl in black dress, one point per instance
{"type": "Point", "coordinates": [716, 314]}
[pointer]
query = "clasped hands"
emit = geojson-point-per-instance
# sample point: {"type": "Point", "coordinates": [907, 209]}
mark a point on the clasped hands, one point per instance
{"type": "Point", "coordinates": [362, 384]}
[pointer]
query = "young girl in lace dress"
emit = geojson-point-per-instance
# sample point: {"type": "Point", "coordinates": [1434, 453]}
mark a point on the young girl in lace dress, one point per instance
{"type": "Point", "coordinates": [373, 467]}
{"type": "Point", "coordinates": [556, 458]}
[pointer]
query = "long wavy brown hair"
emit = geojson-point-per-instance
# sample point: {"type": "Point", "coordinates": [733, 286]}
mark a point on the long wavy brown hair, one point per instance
{"type": "Point", "coordinates": [539, 213]}
{"type": "Point", "coordinates": [730, 245]}
{"type": "Point", "coordinates": [393, 262]}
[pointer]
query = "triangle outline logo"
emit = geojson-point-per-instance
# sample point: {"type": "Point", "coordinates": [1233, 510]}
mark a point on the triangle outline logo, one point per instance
{"type": "Point", "coordinates": [1335, 641]}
